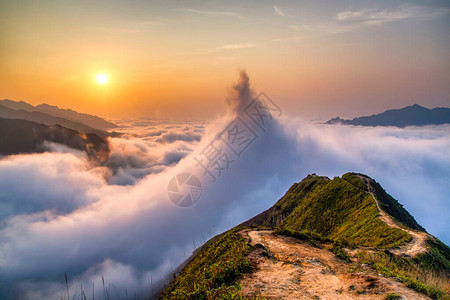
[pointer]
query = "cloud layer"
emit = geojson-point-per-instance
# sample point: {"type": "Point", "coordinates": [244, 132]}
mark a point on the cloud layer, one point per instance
{"type": "Point", "coordinates": [61, 214]}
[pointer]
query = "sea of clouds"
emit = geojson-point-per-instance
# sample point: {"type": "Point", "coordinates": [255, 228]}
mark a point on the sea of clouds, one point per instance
{"type": "Point", "coordinates": [59, 213]}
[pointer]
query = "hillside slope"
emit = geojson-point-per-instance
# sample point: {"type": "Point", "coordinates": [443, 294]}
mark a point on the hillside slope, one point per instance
{"type": "Point", "coordinates": [21, 136]}
{"type": "Point", "coordinates": [344, 238]}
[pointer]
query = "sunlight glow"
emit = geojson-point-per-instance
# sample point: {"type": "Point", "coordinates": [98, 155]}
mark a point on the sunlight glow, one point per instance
{"type": "Point", "coordinates": [102, 78]}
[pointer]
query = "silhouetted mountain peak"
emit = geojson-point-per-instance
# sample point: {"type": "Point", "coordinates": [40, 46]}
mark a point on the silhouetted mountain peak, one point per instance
{"type": "Point", "coordinates": [415, 106]}
{"type": "Point", "coordinates": [413, 115]}
{"type": "Point", "coordinates": [16, 104]}
{"type": "Point", "coordinates": [54, 108]}
{"type": "Point", "coordinates": [45, 105]}
{"type": "Point", "coordinates": [336, 120]}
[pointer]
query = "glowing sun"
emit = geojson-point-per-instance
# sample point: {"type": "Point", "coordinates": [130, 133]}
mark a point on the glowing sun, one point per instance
{"type": "Point", "coordinates": [101, 78]}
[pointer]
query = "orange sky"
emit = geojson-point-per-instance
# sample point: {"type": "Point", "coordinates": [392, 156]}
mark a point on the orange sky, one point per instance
{"type": "Point", "coordinates": [177, 59]}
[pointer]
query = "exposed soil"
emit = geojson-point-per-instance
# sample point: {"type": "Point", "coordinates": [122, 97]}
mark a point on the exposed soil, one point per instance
{"type": "Point", "coordinates": [286, 268]}
{"type": "Point", "coordinates": [417, 244]}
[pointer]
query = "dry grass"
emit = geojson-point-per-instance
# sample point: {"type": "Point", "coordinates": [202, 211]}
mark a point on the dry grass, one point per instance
{"type": "Point", "coordinates": [432, 282]}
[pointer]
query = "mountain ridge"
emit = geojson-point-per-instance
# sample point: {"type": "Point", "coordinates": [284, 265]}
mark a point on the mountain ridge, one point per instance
{"type": "Point", "coordinates": [47, 119]}
{"type": "Point", "coordinates": [347, 231]}
{"type": "Point", "coordinates": [22, 136]}
{"type": "Point", "coordinates": [87, 119]}
{"type": "Point", "coordinates": [414, 115]}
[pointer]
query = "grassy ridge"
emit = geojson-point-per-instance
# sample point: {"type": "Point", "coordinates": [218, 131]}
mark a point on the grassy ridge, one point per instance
{"type": "Point", "coordinates": [386, 202]}
{"type": "Point", "coordinates": [342, 212]}
{"type": "Point", "coordinates": [392, 207]}
{"type": "Point", "coordinates": [338, 212]}
{"type": "Point", "coordinates": [213, 272]}
{"type": "Point", "coordinates": [291, 199]}
{"type": "Point", "coordinates": [355, 180]}
{"type": "Point", "coordinates": [274, 216]}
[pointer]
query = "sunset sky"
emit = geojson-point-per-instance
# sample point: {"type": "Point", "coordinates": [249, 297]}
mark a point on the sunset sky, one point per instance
{"type": "Point", "coordinates": [316, 59]}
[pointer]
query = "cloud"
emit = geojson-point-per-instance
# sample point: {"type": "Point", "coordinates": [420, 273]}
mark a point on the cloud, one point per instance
{"type": "Point", "coordinates": [85, 225]}
{"type": "Point", "coordinates": [213, 13]}
{"type": "Point", "coordinates": [289, 39]}
{"type": "Point", "coordinates": [238, 46]}
{"type": "Point", "coordinates": [381, 17]}
{"type": "Point", "coordinates": [223, 48]}
{"type": "Point", "coordinates": [240, 94]}
{"type": "Point", "coordinates": [172, 137]}
{"type": "Point", "coordinates": [356, 20]}
{"type": "Point", "coordinates": [149, 146]}
{"type": "Point", "coordinates": [121, 282]}
{"type": "Point", "coordinates": [130, 27]}
{"type": "Point", "coordinates": [328, 28]}
{"type": "Point", "coordinates": [50, 181]}
{"type": "Point", "coordinates": [278, 11]}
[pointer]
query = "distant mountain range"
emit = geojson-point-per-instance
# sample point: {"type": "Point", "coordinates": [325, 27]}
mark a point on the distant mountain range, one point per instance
{"type": "Point", "coordinates": [55, 111]}
{"type": "Point", "coordinates": [414, 115]}
{"type": "Point", "coordinates": [52, 115]}
{"type": "Point", "coordinates": [22, 136]}
{"type": "Point", "coordinates": [25, 128]}
{"type": "Point", "coordinates": [43, 118]}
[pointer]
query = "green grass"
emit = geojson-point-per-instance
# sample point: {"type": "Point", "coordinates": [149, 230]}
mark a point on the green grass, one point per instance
{"type": "Point", "coordinates": [354, 180]}
{"type": "Point", "coordinates": [303, 235]}
{"type": "Point", "coordinates": [275, 215]}
{"type": "Point", "coordinates": [392, 296]}
{"type": "Point", "coordinates": [344, 213]}
{"type": "Point", "coordinates": [214, 271]}
{"type": "Point", "coordinates": [436, 258]}
{"type": "Point", "coordinates": [291, 199]}
{"type": "Point", "coordinates": [339, 252]}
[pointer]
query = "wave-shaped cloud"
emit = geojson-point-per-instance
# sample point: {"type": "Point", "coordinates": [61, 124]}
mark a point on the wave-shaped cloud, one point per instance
{"type": "Point", "coordinates": [67, 216]}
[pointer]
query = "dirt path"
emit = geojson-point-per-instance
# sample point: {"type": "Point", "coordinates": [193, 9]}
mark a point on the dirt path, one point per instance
{"type": "Point", "coordinates": [288, 269]}
{"type": "Point", "coordinates": [418, 243]}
